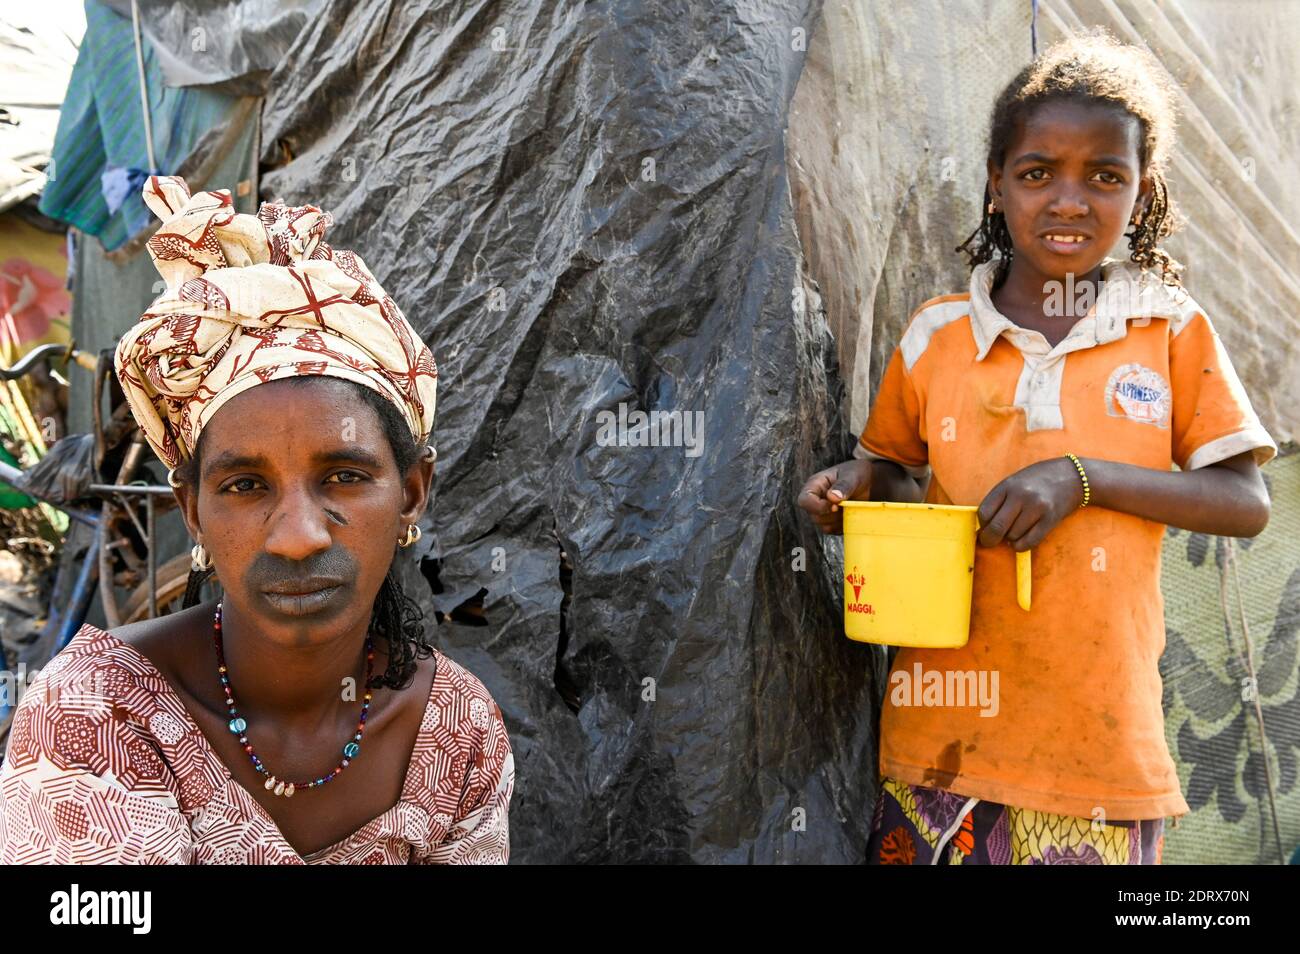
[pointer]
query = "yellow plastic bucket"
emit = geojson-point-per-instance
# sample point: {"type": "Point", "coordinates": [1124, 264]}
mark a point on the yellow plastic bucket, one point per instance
{"type": "Point", "coordinates": [909, 573]}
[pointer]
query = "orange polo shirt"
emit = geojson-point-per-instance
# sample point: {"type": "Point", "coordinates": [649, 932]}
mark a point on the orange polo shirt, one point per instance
{"type": "Point", "coordinates": [1142, 379]}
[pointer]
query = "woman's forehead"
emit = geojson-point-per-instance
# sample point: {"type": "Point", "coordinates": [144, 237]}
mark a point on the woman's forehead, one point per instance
{"type": "Point", "coordinates": [1065, 125]}
{"type": "Point", "coordinates": [305, 406]}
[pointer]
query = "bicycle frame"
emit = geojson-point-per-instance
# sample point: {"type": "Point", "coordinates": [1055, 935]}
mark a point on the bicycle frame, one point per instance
{"type": "Point", "coordinates": [88, 575]}
{"type": "Point", "coordinates": [63, 623]}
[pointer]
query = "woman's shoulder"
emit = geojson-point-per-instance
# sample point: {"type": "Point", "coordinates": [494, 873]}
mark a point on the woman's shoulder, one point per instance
{"type": "Point", "coordinates": [95, 666]}
{"type": "Point", "coordinates": [936, 312]}
{"type": "Point", "coordinates": [935, 318]}
{"type": "Point", "coordinates": [87, 710]}
{"type": "Point", "coordinates": [460, 698]}
{"type": "Point", "coordinates": [953, 301]}
{"type": "Point", "coordinates": [84, 779]}
{"type": "Point", "coordinates": [1132, 291]}
{"type": "Point", "coordinates": [465, 765]}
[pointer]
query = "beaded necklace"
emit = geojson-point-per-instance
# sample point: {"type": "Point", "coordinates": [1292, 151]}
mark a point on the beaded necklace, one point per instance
{"type": "Point", "coordinates": [239, 726]}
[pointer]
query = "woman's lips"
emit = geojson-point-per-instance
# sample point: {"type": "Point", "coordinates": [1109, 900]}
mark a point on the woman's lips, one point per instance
{"type": "Point", "coordinates": [304, 604]}
{"type": "Point", "coordinates": [1066, 243]}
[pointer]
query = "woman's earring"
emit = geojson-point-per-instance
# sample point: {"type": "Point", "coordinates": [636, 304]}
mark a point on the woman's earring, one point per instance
{"type": "Point", "coordinates": [992, 208]}
{"type": "Point", "coordinates": [413, 533]}
{"type": "Point", "coordinates": [199, 558]}
{"type": "Point", "coordinates": [430, 453]}
{"type": "Point", "coordinates": [171, 479]}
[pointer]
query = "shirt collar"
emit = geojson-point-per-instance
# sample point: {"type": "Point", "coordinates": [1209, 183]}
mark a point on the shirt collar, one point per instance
{"type": "Point", "coordinates": [1125, 294]}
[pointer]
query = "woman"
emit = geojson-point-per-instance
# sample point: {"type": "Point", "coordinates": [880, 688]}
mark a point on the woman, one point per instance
{"type": "Point", "coordinates": [305, 717]}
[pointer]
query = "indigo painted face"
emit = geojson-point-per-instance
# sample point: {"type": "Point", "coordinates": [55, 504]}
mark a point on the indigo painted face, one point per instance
{"type": "Point", "coordinates": [300, 505]}
{"type": "Point", "coordinates": [1068, 186]}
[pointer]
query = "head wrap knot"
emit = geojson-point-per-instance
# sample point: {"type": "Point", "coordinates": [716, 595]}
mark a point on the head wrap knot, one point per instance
{"type": "Point", "coordinates": [251, 299]}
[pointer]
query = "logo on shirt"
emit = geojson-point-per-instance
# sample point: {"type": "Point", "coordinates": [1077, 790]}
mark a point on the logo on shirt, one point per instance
{"type": "Point", "coordinates": [1140, 394]}
{"type": "Point", "coordinates": [856, 580]}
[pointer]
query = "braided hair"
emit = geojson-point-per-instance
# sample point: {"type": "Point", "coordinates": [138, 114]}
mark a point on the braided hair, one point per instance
{"type": "Point", "coordinates": [396, 620]}
{"type": "Point", "coordinates": [1090, 68]}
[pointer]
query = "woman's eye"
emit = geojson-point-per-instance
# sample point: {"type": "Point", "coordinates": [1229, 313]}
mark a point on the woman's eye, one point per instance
{"type": "Point", "coordinates": [241, 485]}
{"type": "Point", "coordinates": [1109, 178]}
{"type": "Point", "coordinates": [1035, 174]}
{"type": "Point", "coordinates": [347, 477]}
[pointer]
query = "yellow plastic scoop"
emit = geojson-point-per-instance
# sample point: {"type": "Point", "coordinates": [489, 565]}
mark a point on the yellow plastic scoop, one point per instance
{"type": "Point", "coordinates": [1024, 578]}
{"type": "Point", "coordinates": [1024, 573]}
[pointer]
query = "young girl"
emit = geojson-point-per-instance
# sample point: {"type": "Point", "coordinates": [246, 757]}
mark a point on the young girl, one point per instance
{"type": "Point", "coordinates": [1056, 394]}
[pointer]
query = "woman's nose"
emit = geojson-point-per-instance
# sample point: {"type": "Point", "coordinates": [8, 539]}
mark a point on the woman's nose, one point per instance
{"type": "Point", "coordinates": [1069, 203]}
{"type": "Point", "coordinates": [297, 528]}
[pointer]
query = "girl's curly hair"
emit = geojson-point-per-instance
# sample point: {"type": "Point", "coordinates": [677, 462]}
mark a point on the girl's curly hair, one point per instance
{"type": "Point", "coordinates": [1092, 67]}
{"type": "Point", "coordinates": [396, 619]}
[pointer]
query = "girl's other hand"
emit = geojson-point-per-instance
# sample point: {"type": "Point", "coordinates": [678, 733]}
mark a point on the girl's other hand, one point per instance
{"type": "Point", "coordinates": [826, 489]}
{"type": "Point", "coordinates": [1022, 508]}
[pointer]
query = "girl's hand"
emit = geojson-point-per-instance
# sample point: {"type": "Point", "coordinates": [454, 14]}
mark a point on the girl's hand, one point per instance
{"type": "Point", "coordinates": [1022, 508]}
{"type": "Point", "coordinates": [826, 489]}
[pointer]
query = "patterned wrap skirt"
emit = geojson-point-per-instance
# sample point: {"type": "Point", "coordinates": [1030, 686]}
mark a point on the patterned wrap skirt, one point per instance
{"type": "Point", "coordinates": [916, 825]}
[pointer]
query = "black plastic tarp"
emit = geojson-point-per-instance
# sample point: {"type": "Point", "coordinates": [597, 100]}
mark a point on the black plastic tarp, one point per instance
{"type": "Point", "coordinates": [227, 45]}
{"type": "Point", "coordinates": [585, 208]}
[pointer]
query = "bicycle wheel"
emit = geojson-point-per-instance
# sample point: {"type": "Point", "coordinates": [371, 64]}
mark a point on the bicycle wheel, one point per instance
{"type": "Point", "coordinates": [172, 577]}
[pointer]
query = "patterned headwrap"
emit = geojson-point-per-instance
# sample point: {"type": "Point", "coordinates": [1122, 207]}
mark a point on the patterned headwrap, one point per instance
{"type": "Point", "coordinates": [252, 299]}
